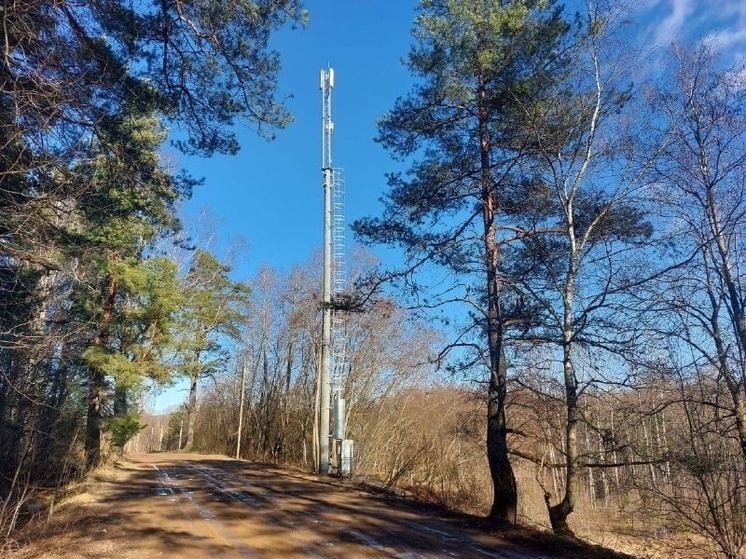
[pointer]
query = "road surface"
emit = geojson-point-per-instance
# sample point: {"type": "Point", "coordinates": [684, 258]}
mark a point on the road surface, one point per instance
{"type": "Point", "coordinates": [190, 506]}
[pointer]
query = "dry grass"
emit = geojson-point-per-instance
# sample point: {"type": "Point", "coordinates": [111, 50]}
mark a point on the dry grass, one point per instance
{"type": "Point", "coordinates": [54, 532]}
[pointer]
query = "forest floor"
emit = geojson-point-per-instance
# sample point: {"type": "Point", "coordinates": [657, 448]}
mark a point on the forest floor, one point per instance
{"type": "Point", "coordinates": [188, 505]}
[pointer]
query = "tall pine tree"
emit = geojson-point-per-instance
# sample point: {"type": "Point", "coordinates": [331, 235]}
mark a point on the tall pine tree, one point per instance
{"type": "Point", "coordinates": [479, 65]}
{"type": "Point", "coordinates": [123, 302]}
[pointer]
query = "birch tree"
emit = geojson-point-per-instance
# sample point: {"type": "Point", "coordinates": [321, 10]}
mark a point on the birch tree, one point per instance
{"type": "Point", "coordinates": [702, 180]}
{"type": "Point", "coordinates": [699, 325]}
{"type": "Point", "coordinates": [593, 234]}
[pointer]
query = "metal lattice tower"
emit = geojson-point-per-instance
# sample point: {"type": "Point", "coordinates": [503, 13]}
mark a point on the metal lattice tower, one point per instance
{"type": "Point", "coordinates": [339, 284]}
{"type": "Point", "coordinates": [334, 182]}
{"type": "Point", "coordinates": [339, 273]}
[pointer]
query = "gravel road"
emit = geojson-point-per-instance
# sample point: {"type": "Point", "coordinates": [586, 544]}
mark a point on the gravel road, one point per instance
{"type": "Point", "coordinates": [180, 505]}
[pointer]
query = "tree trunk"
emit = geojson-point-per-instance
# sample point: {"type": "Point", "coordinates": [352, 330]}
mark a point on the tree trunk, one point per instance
{"type": "Point", "coordinates": [97, 381]}
{"type": "Point", "coordinates": [559, 513]}
{"type": "Point", "coordinates": [96, 396]}
{"type": "Point", "coordinates": [191, 409]}
{"type": "Point", "coordinates": [735, 381]}
{"type": "Point", "coordinates": [505, 493]}
{"type": "Point", "coordinates": [241, 405]}
{"type": "Point", "coordinates": [505, 500]}
{"type": "Point", "coordinates": [732, 293]}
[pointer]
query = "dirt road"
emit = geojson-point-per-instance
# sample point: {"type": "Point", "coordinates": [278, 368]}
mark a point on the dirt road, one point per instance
{"type": "Point", "coordinates": [189, 506]}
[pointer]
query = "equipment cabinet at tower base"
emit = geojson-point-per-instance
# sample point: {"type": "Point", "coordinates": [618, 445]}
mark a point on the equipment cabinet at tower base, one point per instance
{"type": "Point", "coordinates": [342, 463]}
{"type": "Point", "coordinates": [346, 458]}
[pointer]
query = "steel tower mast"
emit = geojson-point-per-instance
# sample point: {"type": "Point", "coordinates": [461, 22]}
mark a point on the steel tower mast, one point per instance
{"type": "Point", "coordinates": [334, 450]}
{"type": "Point", "coordinates": [327, 127]}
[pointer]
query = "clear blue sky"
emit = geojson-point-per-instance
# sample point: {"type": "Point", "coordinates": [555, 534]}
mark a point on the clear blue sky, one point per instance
{"type": "Point", "coordinates": [271, 194]}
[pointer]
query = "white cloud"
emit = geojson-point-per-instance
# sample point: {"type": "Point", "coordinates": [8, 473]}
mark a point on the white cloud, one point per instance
{"type": "Point", "coordinates": [721, 23]}
{"type": "Point", "coordinates": [672, 27]}
{"type": "Point", "coordinates": [730, 32]}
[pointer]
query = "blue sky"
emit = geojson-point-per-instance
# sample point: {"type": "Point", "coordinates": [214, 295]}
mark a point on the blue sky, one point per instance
{"type": "Point", "coordinates": [270, 194]}
{"type": "Point", "coordinates": [722, 21]}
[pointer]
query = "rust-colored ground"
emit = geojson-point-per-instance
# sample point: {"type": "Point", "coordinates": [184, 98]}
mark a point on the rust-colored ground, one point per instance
{"type": "Point", "coordinates": [192, 506]}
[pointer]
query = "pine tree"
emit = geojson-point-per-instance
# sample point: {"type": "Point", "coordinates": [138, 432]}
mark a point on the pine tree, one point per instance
{"type": "Point", "coordinates": [210, 315]}
{"type": "Point", "coordinates": [479, 65]}
{"type": "Point", "coordinates": [83, 83]}
{"type": "Point", "coordinates": [123, 301]}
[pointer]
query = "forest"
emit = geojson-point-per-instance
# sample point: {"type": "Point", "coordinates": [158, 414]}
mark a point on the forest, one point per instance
{"type": "Point", "coordinates": [561, 343]}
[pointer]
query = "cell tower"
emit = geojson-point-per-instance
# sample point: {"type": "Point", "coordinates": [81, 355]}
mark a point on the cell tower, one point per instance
{"type": "Point", "coordinates": [334, 338]}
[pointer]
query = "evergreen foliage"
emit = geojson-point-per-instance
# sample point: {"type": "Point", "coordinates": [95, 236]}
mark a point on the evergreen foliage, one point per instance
{"type": "Point", "coordinates": [87, 306]}
{"type": "Point", "coordinates": [211, 310]}
{"type": "Point", "coordinates": [481, 67]}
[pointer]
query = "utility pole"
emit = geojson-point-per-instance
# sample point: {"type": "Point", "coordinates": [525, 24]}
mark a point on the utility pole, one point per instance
{"type": "Point", "coordinates": [327, 126]}
{"type": "Point", "coordinates": [241, 408]}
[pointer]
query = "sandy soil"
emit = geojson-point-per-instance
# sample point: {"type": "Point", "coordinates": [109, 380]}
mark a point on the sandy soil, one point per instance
{"type": "Point", "coordinates": [192, 506]}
